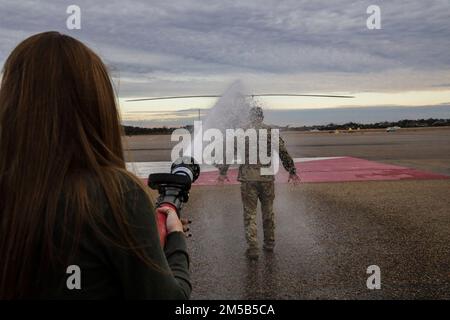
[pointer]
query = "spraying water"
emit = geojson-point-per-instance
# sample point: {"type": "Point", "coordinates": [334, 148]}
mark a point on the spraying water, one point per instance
{"type": "Point", "coordinates": [229, 112]}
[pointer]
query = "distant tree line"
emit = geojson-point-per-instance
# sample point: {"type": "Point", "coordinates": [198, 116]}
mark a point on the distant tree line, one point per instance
{"type": "Point", "coordinates": [134, 131]}
{"type": "Point", "coordinates": [431, 122]}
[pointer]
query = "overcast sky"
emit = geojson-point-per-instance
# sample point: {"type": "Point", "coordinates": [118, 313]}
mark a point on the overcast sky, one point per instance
{"type": "Point", "coordinates": [198, 47]}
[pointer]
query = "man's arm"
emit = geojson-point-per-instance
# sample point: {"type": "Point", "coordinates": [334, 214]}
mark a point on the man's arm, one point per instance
{"type": "Point", "coordinates": [286, 159]}
{"type": "Point", "coordinates": [223, 168]}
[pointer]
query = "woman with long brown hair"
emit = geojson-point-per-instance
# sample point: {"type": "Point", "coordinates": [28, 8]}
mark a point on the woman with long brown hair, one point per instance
{"type": "Point", "coordinates": [65, 196]}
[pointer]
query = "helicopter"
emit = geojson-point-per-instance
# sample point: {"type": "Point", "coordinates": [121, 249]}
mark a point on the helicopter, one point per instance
{"type": "Point", "coordinates": [247, 95]}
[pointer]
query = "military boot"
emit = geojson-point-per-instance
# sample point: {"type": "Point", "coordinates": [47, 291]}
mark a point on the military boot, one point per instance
{"type": "Point", "coordinates": [269, 246]}
{"type": "Point", "coordinates": [252, 253]}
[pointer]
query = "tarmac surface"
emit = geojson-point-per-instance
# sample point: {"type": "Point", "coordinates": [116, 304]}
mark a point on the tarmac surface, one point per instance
{"type": "Point", "coordinates": [421, 148]}
{"type": "Point", "coordinates": [328, 233]}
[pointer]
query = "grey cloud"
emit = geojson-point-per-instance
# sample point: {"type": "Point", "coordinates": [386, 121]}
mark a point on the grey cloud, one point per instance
{"type": "Point", "coordinates": [274, 39]}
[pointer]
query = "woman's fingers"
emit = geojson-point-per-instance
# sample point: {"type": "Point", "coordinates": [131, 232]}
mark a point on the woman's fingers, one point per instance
{"type": "Point", "coordinates": [186, 223]}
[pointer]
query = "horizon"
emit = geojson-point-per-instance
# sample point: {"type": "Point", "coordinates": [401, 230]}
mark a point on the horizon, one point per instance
{"type": "Point", "coordinates": [299, 117]}
{"type": "Point", "coordinates": [184, 47]}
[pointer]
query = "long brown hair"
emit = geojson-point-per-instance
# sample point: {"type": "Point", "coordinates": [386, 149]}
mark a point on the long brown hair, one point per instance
{"type": "Point", "coordinates": [59, 127]}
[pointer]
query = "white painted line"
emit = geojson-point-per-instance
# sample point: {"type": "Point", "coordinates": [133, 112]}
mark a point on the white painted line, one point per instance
{"type": "Point", "coordinates": [314, 159]}
{"type": "Point", "coordinates": [143, 169]}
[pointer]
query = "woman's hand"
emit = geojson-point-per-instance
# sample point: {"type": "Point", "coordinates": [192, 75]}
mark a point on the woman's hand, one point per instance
{"type": "Point", "coordinates": [173, 223]}
{"type": "Point", "coordinates": [186, 223]}
{"type": "Point", "coordinates": [294, 179]}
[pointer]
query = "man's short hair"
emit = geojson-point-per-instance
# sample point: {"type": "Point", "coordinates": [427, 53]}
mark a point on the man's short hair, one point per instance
{"type": "Point", "coordinates": [256, 113]}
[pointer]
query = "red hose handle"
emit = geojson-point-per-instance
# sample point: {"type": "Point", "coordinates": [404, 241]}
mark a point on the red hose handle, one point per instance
{"type": "Point", "coordinates": [161, 223]}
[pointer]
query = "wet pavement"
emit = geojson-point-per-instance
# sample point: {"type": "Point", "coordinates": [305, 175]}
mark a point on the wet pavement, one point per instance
{"type": "Point", "coordinates": [327, 235]}
{"type": "Point", "coordinates": [420, 148]}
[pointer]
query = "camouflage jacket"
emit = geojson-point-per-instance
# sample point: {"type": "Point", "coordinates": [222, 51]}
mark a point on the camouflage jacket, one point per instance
{"type": "Point", "coordinates": [252, 172]}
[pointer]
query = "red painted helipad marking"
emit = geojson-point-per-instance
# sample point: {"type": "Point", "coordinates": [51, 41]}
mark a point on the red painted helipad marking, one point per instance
{"type": "Point", "coordinates": [335, 170]}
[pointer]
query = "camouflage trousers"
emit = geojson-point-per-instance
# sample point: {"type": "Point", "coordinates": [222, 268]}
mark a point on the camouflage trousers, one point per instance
{"type": "Point", "coordinates": [251, 191]}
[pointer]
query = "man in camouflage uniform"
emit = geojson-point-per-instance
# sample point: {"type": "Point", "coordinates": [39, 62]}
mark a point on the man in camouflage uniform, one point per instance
{"type": "Point", "coordinates": [255, 186]}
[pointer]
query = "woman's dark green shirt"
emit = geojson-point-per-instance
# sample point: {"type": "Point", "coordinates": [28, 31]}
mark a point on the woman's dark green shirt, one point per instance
{"type": "Point", "coordinates": [108, 271]}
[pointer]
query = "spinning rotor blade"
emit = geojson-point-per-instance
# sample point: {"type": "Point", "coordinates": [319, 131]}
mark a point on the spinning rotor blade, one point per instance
{"type": "Point", "coordinates": [248, 95]}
